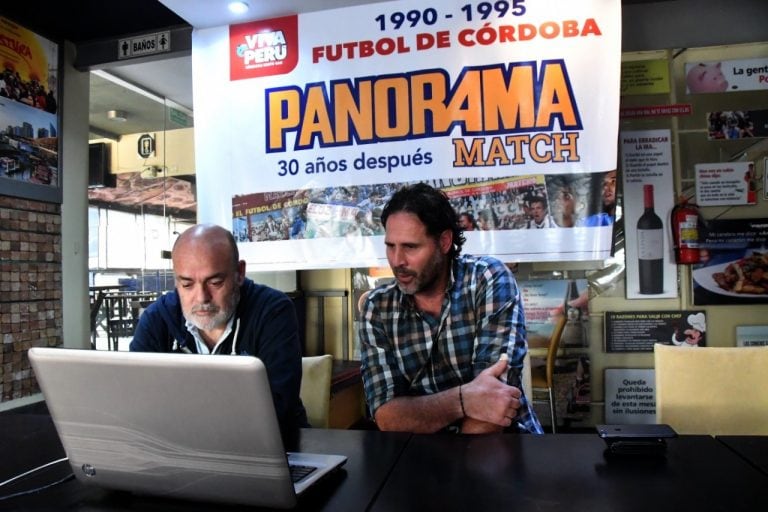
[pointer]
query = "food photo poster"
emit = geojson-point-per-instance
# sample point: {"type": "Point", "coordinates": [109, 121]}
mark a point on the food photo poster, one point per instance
{"type": "Point", "coordinates": [734, 269]}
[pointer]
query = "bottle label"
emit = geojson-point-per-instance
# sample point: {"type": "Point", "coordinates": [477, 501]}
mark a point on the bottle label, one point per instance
{"type": "Point", "coordinates": [650, 244]}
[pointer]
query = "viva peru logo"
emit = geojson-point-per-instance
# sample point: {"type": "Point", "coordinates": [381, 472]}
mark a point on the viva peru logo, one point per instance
{"type": "Point", "coordinates": [260, 49]}
{"type": "Point", "coordinates": [263, 48]}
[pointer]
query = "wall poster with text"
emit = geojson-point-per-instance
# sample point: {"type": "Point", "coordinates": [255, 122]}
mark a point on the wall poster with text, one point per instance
{"type": "Point", "coordinates": [304, 132]}
{"type": "Point", "coordinates": [29, 114]}
{"type": "Point", "coordinates": [630, 396]}
{"type": "Point", "coordinates": [726, 184]}
{"type": "Point", "coordinates": [639, 331]}
{"type": "Point", "coordinates": [646, 158]}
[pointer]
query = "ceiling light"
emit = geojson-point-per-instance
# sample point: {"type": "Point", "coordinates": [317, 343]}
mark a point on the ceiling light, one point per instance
{"type": "Point", "coordinates": [119, 116]}
{"type": "Point", "coordinates": [238, 7]}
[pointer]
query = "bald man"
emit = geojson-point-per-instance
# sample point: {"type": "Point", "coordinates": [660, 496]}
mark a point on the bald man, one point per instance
{"type": "Point", "coordinates": [215, 309]}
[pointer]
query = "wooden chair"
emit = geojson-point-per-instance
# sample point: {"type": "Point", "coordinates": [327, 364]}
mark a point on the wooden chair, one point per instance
{"type": "Point", "coordinates": [712, 390]}
{"type": "Point", "coordinates": [315, 390]}
{"type": "Point", "coordinates": [543, 377]}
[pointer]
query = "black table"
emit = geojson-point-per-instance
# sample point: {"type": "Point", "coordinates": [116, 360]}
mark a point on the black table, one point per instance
{"type": "Point", "coordinates": [402, 472]}
{"type": "Point", "coordinates": [752, 448]}
{"type": "Point", "coordinates": [30, 440]}
{"type": "Point", "coordinates": [567, 472]}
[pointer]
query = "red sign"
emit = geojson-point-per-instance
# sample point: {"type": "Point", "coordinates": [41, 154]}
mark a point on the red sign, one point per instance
{"type": "Point", "coordinates": [263, 48]}
{"type": "Point", "coordinates": [678, 109]}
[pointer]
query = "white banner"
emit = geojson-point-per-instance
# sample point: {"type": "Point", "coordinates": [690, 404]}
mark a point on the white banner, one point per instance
{"type": "Point", "coordinates": [333, 107]}
{"type": "Point", "coordinates": [727, 76]}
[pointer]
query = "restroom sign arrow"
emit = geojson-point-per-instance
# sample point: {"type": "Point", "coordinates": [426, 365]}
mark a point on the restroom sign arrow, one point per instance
{"type": "Point", "coordinates": [147, 44]}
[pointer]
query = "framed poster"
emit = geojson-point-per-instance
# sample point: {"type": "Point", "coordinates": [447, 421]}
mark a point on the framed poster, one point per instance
{"type": "Point", "coordinates": [736, 260]}
{"type": "Point", "coordinates": [751, 335]}
{"type": "Point", "coordinates": [646, 158]}
{"type": "Point", "coordinates": [638, 331]}
{"type": "Point", "coordinates": [725, 184]}
{"type": "Point", "coordinates": [725, 76]}
{"type": "Point", "coordinates": [630, 396]}
{"type": "Point", "coordinates": [736, 124]}
{"type": "Point", "coordinates": [29, 114]}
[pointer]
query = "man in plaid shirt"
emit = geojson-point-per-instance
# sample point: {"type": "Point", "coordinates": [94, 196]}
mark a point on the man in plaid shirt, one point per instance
{"type": "Point", "coordinates": [442, 346]}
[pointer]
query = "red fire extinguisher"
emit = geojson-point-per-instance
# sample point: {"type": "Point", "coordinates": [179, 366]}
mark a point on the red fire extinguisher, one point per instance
{"type": "Point", "coordinates": [685, 232]}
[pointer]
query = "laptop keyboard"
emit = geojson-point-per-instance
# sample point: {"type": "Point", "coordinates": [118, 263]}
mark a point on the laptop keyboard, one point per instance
{"type": "Point", "coordinates": [299, 472]}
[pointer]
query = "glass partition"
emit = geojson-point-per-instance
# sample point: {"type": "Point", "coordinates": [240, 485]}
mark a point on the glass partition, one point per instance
{"type": "Point", "coordinates": [141, 196]}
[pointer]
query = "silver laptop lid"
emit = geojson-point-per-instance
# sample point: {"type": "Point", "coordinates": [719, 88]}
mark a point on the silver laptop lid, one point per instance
{"type": "Point", "coordinates": [176, 425]}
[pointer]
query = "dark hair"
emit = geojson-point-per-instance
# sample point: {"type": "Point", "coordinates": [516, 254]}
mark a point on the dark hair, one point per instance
{"type": "Point", "coordinates": [470, 218]}
{"type": "Point", "coordinates": [432, 208]}
{"type": "Point", "coordinates": [538, 199]}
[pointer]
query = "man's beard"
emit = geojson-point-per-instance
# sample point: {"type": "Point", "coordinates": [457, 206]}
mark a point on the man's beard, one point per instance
{"type": "Point", "coordinates": [426, 279]}
{"type": "Point", "coordinates": [219, 319]}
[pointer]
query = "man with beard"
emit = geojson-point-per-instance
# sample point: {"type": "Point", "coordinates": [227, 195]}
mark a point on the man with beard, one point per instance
{"type": "Point", "coordinates": [442, 346]}
{"type": "Point", "coordinates": [215, 309]}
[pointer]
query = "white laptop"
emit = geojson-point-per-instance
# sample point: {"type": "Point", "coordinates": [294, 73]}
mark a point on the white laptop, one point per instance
{"type": "Point", "coordinates": [175, 425]}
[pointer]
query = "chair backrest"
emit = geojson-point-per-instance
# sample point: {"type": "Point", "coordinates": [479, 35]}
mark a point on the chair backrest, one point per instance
{"type": "Point", "coordinates": [712, 390]}
{"type": "Point", "coordinates": [315, 390]}
{"type": "Point", "coordinates": [525, 377]}
{"type": "Point", "coordinates": [554, 346]}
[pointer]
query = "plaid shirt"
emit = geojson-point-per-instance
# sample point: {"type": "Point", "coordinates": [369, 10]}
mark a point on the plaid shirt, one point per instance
{"type": "Point", "coordinates": [405, 352]}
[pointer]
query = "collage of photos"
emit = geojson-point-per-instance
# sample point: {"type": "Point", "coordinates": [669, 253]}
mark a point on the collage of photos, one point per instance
{"type": "Point", "coordinates": [28, 106]}
{"type": "Point", "coordinates": [521, 202]}
{"type": "Point", "coordinates": [736, 124]}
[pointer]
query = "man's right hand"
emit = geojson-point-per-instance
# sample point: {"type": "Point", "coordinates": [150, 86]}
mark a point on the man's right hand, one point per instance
{"type": "Point", "coordinates": [488, 399]}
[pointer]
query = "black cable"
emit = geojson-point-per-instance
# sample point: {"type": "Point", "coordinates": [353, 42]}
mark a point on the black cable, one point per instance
{"type": "Point", "coordinates": [37, 489]}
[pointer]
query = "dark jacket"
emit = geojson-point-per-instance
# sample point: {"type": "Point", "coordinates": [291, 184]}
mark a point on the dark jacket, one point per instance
{"type": "Point", "coordinates": [268, 329]}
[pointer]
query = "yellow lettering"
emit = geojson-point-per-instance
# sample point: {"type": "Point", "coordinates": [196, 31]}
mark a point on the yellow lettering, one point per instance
{"type": "Point", "coordinates": [280, 120]}
{"type": "Point", "coordinates": [555, 99]}
{"type": "Point", "coordinates": [399, 89]}
{"type": "Point", "coordinates": [316, 121]}
{"type": "Point", "coordinates": [493, 100]}
{"type": "Point", "coordinates": [512, 103]}
{"type": "Point", "coordinates": [497, 153]}
{"type": "Point", "coordinates": [472, 157]}
{"type": "Point", "coordinates": [516, 149]}
{"type": "Point", "coordinates": [565, 143]}
{"type": "Point", "coordinates": [436, 84]}
{"type": "Point", "coordinates": [350, 112]}
{"type": "Point", "coordinates": [518, 143]}
{"type": "Point", "coordinates": [466, 104]}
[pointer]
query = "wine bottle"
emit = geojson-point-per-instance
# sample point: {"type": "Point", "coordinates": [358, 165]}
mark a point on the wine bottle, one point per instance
{"type": "Point", "coordinates": [650, 246]}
